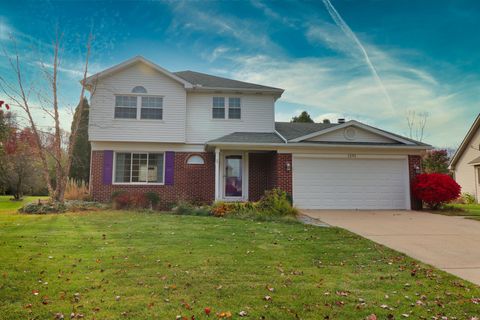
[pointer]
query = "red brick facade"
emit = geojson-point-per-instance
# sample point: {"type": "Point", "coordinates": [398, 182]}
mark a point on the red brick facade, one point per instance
{"type": "Point", "coordinates": [260, 174]}
{"type": "Point", "coordinates": [414, 166]}
{"type": "Point", "coordinates": [283, 167]}
{"type": "Point", "coordinates": [194, 183]}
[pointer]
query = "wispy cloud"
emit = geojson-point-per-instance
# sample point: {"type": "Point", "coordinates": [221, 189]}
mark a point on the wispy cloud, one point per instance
{"type": "Point", "coordinates": [351, 35]}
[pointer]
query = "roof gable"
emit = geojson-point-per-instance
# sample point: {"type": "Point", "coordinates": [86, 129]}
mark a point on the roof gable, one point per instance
{"type": "Point", "coordinates": [466, 141]}
{"type": "Point", "coordinates": [351, 134]}
{"type": "Point", "coordinates": [126, 64]}
{"type": "Point", "coordinates": [368, 134]}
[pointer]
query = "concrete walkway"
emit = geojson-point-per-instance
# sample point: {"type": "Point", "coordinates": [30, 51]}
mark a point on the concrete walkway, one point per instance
{"type": "Point", "coordinates": [448, 243]}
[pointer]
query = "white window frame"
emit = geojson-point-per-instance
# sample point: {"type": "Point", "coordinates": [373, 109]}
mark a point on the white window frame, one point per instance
{"type": "Point", "coordinates": [139, 106]}
{"type": "Point", "coordinates": [239, 107]}
{"type": "Point", "coordinates": [114, 173]}
{"type": "Point", "coordinates": [226, 108]}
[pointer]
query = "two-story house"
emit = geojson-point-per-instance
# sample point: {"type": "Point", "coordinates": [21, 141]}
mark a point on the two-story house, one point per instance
{"type": "Point", "coordinates": [197, 137]}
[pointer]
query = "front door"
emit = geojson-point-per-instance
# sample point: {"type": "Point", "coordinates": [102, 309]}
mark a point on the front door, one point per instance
{"type": "Point", "coordinates": [233, 176]}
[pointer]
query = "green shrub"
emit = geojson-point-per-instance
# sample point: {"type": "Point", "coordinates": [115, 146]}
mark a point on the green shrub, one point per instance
{"type": "Point", "coordinates": [187, 209]}
{"type": "Point", "coordinates": [276, 202]}
{"type": "Point", "coordinates": [467, 198]}
{"type": "Point", "coordinates": [153, 199]}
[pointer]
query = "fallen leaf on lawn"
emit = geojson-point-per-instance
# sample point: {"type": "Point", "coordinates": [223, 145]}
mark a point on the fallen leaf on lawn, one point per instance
{"type": "Point", "coordinates": [186, 306]}
{"type": "Point", "coordinates": [476, 300]}
{"type": "Point", "coordinates": [384, 306]}
{"type": "Point", "coordinates": [270, 288]}
{"type": "Point", "coordinates": [207, 310]}
{"type": "Point", "coordinates": [405, 315]}
{"type": "Point", "coordinates": [35, 292]}
{"type": "Point", "coordinates": [372, 317]}
{"type": "Point", "coordinates": [59, 316]}
{"type": "Point", "coordinates": [342, 293]}
{"type": "Point", "coordinates": [28, 306]}
{"type": "Point", "coordinates": [117, 298]}
{"type": "Point", "coordinates": [242, 313]}
{"type": "Point", "coordinates": [267, 298]}
{"type": "Point", "coordinates": [224, 315]}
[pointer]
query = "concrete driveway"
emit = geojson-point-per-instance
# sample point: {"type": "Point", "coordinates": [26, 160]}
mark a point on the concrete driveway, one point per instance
{"type": "Point", "coordinates": [448, 243]}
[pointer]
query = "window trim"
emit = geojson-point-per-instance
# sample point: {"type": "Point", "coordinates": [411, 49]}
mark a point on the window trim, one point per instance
{"type": "Point", "coordinates": [226, 108]}
{"type": "Point", "coordinates": [139, 106]}
{"type": "Point", "coordinates": [114, 168]}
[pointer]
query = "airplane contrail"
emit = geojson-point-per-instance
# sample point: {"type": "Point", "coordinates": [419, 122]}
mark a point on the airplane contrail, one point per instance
{"type": "Point", "coordinates": [349, 33]}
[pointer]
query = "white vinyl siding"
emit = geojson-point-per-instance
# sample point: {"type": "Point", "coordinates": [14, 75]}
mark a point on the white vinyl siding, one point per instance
{"type": "Point", "coordinates": [139, 168]}
{"type": "Point", "coordinates": [103, 126]}
{"type": "Point", "coordinates": [257, 115]}
{"type": "Point", "coordinates": [359, 136]}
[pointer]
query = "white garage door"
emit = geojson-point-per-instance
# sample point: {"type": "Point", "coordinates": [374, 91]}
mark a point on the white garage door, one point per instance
{"type": "Point", "coordinates": [350, 183]}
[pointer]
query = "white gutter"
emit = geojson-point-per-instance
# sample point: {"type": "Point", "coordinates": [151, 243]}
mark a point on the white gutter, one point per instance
{"type": "Point", "coordinates": [282, 137]}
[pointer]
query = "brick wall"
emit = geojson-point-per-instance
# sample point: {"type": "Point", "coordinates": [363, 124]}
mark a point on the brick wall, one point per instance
{"type": "Point", "coordinates": [414, 162]}
{"type": "Point", "coordinates": [282, 175]}
{"type": "Point", "coordinates": [191, 182]}
{"type": "Point", "coordinates": [260, 174]}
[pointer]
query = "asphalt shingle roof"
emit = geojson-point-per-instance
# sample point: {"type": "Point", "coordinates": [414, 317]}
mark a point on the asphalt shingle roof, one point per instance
{"type": "Point", "coordinates": [250, 137]}
{"type": "Point", "coordinates": [209, 81]}
{"type": "Point", "coordinates": [292, 130]}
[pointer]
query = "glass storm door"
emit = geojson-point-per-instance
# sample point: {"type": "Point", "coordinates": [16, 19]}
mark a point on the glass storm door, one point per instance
{"type": "Point", "coordinates": [233, 176]}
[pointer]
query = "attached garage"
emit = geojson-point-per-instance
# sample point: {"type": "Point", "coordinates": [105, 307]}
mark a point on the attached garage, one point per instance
{"type": "Point", "coordinates": [350, 183]}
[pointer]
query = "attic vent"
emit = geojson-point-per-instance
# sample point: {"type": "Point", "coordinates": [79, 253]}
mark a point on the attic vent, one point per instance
{"type": "Point", "coordinates": [341, 120]}
{"type": "Point", "coordinates": [139, 89]}
{"type": "Point", "coordinates": [350, 133]}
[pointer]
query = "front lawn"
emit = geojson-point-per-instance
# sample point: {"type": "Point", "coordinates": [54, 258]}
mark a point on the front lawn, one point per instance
{"type": "Point", "coordinates": [111, 264]}
{"type": "Point", "coordinates": [7, 205]}
{"type": "Point", "coordinates": [471, 211]}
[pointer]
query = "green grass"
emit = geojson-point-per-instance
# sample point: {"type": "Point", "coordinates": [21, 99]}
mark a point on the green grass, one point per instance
{"type": "Point", "coordinates": [470, 211]}
{"type": "Point", "coordinates": [163, 265]}
{"type": "Point", "coordinates": [9, 206]}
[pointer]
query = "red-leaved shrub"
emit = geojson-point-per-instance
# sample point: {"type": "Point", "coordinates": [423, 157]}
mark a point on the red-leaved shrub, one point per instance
{"type": "Point", "coordinates": [125, 200]}
{"type": "Point", "coordinates": [435, 188]}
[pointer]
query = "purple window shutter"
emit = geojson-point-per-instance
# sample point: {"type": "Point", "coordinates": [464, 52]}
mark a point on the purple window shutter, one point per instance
{"type": "Point", "coordinates": [107, 166]}
{"type": "Point", "coordinates": [169, 167]}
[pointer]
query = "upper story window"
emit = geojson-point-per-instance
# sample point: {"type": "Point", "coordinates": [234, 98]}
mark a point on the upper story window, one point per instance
{"type": "Point", "coordinates": [127, 106]}
{"type": "Point", "coordinates": [152, 108]}
{"type": "Point", "coordinates": [218, 111]}
{"type": "Point", "coordinates": [234, 110]}
{"type": "Point", "coordinates": [219, 106]}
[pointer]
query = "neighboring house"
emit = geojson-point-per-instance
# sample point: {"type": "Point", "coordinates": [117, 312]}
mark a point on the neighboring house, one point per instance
{"type": "Point", "coordinates": [466, 161]}
{"type": "Point", "coordinates": [196, 137]}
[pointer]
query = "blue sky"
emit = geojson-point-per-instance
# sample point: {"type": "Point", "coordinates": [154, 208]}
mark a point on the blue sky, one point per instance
{"type": "Point", "coordinates": [370, 60]}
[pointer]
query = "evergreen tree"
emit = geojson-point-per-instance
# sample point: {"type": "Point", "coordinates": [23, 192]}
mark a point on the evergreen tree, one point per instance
{"type": "Point", "coordinates": [80, 169]}
{"type": "Point", "coordinates": [303, 117]}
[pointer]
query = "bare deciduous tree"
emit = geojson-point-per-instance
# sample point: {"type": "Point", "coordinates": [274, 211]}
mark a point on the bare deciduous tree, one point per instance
{"type": "Point", "coordinates": [416, 123]}
{"type": "Point", "coordinates": [20, 93]}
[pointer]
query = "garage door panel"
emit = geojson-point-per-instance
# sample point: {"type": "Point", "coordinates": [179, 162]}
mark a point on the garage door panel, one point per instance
{"type": "Point", "coordinates": [349, 183]}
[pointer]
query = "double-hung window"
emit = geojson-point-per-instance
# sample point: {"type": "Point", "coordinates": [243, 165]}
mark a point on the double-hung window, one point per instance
{"type": "Point", "coordinates": [125, 107]}
{"type": "Point", "coordinates": [139, 167]}
{"type": "Point", "coordinates": [138, 105]}
{"type": "Point", "coordinates": [152, 108]}
{"type": "Point", "coordinates": [234, 110]}
{"type": "Point", "coordinates": [219, 107]}
{"type": "Point", "coordinates": [218, 111]}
